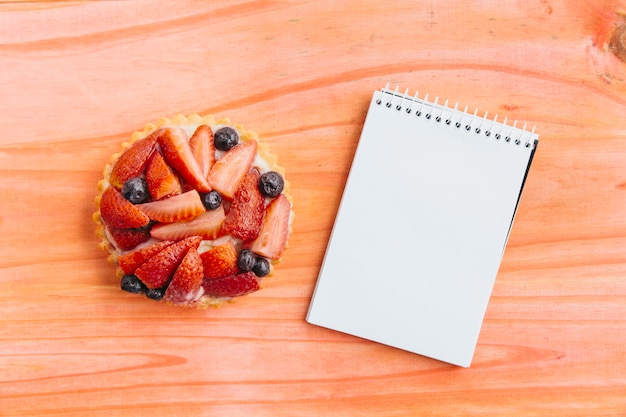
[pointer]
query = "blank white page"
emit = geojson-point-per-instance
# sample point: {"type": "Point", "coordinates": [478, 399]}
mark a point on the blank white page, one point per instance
{"type": "Point", "coordinates": [422, 227]}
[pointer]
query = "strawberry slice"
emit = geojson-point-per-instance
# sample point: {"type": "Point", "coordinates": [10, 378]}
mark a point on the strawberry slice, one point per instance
{"type": "Point", "coordinates": [220, 261]}
{"type": "Point", "coordinates": [203, 148]}
{"type": "Point", "coordinates": [132, 161]}
{"type": "Point", "coordinates": [162, 182]}
{"type": "Point", "coordinates": [186, 282]}
{"type": "Point", "coordinates": [275, 230]}
{"type": "Point", "coordinates": [132, 260]}
{"type": "Point", "coordinates": [128, 239]}
{"type": "Point", "coordinates": [207, 225]}
{"type": "Point", "coordinates": [183, 206]}
{"type": "Point", "coordinates": [247, 209]}
{"type": "Point", "coordinates": [119, 213]}
{"type": "Point", "coordinates": [178, 154]}
{"type": "Point", "coordinates": [158, 270]}
{"type": "Point", "coordinates": [232, 285]}
{"type": "Point", "coordinates": [228, 172]}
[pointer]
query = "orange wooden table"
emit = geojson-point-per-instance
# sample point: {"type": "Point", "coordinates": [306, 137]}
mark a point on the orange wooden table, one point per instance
{"type": "Point", "coordinates": [77, 78]}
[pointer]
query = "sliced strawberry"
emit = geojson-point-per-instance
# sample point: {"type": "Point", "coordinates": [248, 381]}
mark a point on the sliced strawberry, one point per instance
{"type": "Point", "coordinates": [207, 225]}
{"type": "Point", "coordinates": [187, 280]}
{"type": "Point", "coordinates": [132, 260]}
{"type": "Point", "coordinates": [203, 148]}
{"type": "Point", "coordinates": [220, 261]}
{"type": "Point", "coordinates": [162, 182]}
{"type": "Point", "coordinates": [183, 206]}
{"type": "Point", "coordinates": [132, 161]}
{"type": "Point", "coordinates": [275, 230]}
{"type": "Point", "coordinates": [158, 270]}
{"type": "Point", "coordinates": [178, 154]}
{"type": "Point", "coordinates": [128, 239]}
{"type": "Point", "coordinates": [232, 285]}
{"type": "Point", "coordinates": [119, 213]}
{"type": "Point", "coordinates": [247, 209]}
{"type": "Point", "coordinates": [228, 172]}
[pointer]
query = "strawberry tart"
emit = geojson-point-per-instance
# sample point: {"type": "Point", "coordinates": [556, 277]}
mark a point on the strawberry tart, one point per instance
{"type": "Point", "coordinates": [194, 211]}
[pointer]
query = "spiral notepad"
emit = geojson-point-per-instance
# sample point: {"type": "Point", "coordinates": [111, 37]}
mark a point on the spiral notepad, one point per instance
{"type": "Point", "coordinates": [422, 226]}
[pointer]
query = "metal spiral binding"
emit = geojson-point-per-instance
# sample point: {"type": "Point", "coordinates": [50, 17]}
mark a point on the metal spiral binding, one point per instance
{"type": "Point", "coordinates": [472, 123]}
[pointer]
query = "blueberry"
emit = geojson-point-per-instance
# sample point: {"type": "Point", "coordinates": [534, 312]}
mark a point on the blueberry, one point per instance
{"type": "Point", "coordinates": [132, 284]}
{"type": "Point", "coordinates": [246, 260]}
{"type": "Point", "coordinates": [155, 293]}
{"type": "Point", "coordinates": [135, 190]}
{"type": "Point", "coordinates": [225, 138]}
{"type": "Point", "coordinates": [212, 200]}
{"type": "Point", "coordinates": [261, 267]}
{"type": "Point", "coordinates": [271, 184]}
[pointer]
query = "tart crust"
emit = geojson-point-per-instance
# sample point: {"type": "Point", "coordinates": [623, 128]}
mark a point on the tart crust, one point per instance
{"type": "Point", "coordinates": [190, 122]}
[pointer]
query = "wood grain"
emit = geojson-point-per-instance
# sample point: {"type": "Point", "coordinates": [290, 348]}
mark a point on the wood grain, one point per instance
{"type": "Point", "coordinates": [78, 77]}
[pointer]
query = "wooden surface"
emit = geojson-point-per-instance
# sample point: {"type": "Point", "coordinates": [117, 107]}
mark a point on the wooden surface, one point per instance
{"type": "Point", "coordinates": [77, 78]}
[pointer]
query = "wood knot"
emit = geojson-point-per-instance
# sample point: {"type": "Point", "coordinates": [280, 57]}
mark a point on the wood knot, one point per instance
{"type": "Point", "coordinates": [617, 44]}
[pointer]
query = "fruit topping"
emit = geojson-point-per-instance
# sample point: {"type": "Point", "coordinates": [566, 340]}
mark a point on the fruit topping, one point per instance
{"type": "Point", "coordinates": [132, 284]}
{"type": "Point", "coordinates": [247, 209]}
{"type": "Point", "coordinates": [132, 161]}
{"type": "Point", "coordinates": [135, 190]}
{"type": "Point", "coordinates": [207, 225]}
{"type": "Point", "coordinates": [155, 294]}
{"type": "Point", "coordinates": [271, 184]}
{"type": "Point", "coordinates": [232, 285]}
{"type": "Point", "coordinates": [212, 200]}
{"type": "Point", "coordinates": [157, 271]}
{"type": "Point", "coordinates": [220, 261]}
{"type": "Point", "coordinates": [128, 239]}
{"type": "Point", "coordinates": [246, 260]}
{"type": "Point", "coordinates": [160, 179]}
{"type": "Point", "coordinates": [189, 217]}
{"type": "Point", "coordinates": [177, 152]}
{"type": "Point", "coordinates": [226, 138]}
{"type": "Point", "coordinates": [203, 148]}
{"type": "Point", "coordinates": [249, 261]}
{"type": "Point", "coordinates": [132, 260]}
{"type": "Point", "coordinates": [183, 206]}
{"type": "Point", "coordinates": [274, 232]}
{"type": "Point", "coordinates": [187, 279]}
{"type": "Point", "coordinates": [119, 213]}
{"type": "Point", "coordinates": [228, 172]}
{"type": "Point", "coordinates": [261, 267]}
